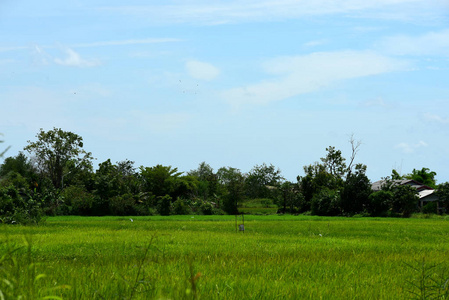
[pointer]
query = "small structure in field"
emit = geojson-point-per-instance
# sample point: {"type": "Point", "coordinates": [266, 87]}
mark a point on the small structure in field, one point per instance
{"type": "Point", "coordinates": [240, 223]}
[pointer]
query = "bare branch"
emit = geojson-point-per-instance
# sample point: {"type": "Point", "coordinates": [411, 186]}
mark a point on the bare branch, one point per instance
{"type": "Point", "coordinates": [355, 148]}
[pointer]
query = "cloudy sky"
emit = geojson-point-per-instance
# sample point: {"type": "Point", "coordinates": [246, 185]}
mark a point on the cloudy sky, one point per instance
{"type": "Point", "coordinates": [232, 83]}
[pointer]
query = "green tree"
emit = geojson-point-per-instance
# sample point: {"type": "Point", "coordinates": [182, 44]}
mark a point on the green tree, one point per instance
{"type": "Point", "coordinates": [395, 175]}
{"type": "Point", "coordinates": [164, 205]}
{"type": "Point", "coordinates": [260, 179]}
{"type": "Point", "coordinates": [19, 163]}
{"type": "Point", "coordinates": [380, 202]}
{"type": "Point", "coordinates": [207, 186]}
{"type": "Point", "coordinates": [107, 183]}
{"type": "Point", "coordinates": [443, 195]}
{"type": "Point", "coordinates": [160, 180]}
{"type": "Point", "coordinates": [203, 172]}
{"type": "Point", "coordinates": [405, 200]}
{"type": "Point", "coordinates": [424, 176]}
{"type": "Point", "coordinates": [54, 149]}
{"type": "Point", "coordinates": [326, 203]}
{"type": "Point", "coordinates": [356, 191]}
{"type": "Point", "coordinates": [228, 174]}
{"type": "Point", "coordinates": [334, 162]}
{"type": "Point", "coordinates": [316, 178]}
{"type": "Point", "coordinates": [18, 209]}
{"type": "Point", "coordinates": [290, 196]}
{"type": "Point", "coordinates": [233, 184]}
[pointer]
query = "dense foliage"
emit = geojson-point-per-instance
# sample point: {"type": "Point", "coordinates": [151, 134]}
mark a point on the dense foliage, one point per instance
{"type": "Point", "coordinates": [58, 178]}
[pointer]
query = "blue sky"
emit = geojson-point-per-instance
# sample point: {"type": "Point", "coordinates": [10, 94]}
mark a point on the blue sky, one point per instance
{"type": "Point", "coordinates": [231, 83]}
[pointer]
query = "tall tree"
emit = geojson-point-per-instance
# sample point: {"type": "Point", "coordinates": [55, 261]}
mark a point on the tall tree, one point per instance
{"type": "Point", "coordinates": [203, 172]}
{"type": "Point", "coordinates": [261, 178]}
{"type": "Point", "coordinates": [355, 149]}
{"type": "Point", "coordinates": [443, 195]}
{"type": "Point", "coordinates": [54, 149]}
{"type": "Point", "coordinates": [233, 184]}
{"type": "Point", "coordinates": [160, 180]}
{"type": "Point", "coordinates": [20, 164]}
{"type": "Point", "coordinates": [207, 180]}
{"type": "Point", "coordinates": [424, 176]}
{"type": "Point", "coordinates": [334, 162]}
{"type": "Point", "coordinates": [316, 178]}
{"type": "Point", "coordinates": [395, 175]}
{"type": "Point", "coordinates": [356, 191]}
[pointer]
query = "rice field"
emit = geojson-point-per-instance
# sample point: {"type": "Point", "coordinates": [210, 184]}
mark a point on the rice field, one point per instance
{"type": "Point", "coordinates": [204, 257]}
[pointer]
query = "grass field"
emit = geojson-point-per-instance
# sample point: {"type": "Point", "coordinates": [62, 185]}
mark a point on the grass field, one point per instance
{"type": "Point", "coordinates": [203, 257]}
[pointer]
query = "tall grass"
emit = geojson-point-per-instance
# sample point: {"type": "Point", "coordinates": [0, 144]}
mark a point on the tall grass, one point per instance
{"type": "Point", "coordinates": [203, 257]}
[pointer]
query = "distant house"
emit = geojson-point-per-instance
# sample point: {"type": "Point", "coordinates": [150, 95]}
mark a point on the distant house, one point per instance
{"type": "Point", "coordinates": [426, 193]}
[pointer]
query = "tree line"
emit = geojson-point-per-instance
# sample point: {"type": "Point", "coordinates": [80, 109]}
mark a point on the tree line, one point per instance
{"type": "Point", "coordinates": [55, 176]}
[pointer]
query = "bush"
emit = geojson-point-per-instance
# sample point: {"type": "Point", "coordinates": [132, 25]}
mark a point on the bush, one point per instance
{"type": "Point", "coordinates": [430, 208]}
{"type": "Point", "coordinates": [326, 202]}
{"type": "Point", "coordinates": [207, 208]}
{"type": "Point", "coordinates": [181, 208]}
{"type": "Point", "coordinates": [230, 204]}
{"type": "Point", "coordinates": [123, 205]}
{"type": "Point", "coordinates": [379, 202]}
{"type": "Point", "coordinates": [405, 200]}
{"type": "Point", "coordinates": [164, 205]}
{"type": "Point", "coordinates": [77, 201]}
{"type": "Point", "coordinates": [18, 209]}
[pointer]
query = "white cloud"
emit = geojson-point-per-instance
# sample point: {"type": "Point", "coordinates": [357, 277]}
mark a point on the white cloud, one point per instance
{"type": "Point", "coordinates": [431, 43]}
{"type": "Point", "coordinates": [202, 70]}
{"type": "Point", "coordinates": [73, 59]}
{"type": "Point", "coordinates": [410, 148]}
{"type": "Point", "coordinates": [436, 118]}
{"type": "Point", "coordinates": [296, 75]}
{"type": "Point", "coordinates": [40, 57]}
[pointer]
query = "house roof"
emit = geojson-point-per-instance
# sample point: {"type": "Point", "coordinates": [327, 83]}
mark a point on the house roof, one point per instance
{"type": "Point", "coordinates": [425, 193]}
{"type": "Point", "coordinates": [423, 190]}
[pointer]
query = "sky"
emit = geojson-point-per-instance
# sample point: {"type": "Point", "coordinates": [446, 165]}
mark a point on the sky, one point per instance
{"type": "Point", "coordinates": [231, 83]}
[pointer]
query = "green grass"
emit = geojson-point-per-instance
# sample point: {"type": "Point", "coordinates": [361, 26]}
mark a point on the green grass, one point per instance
{"type": "Point", "coordinates": [203, 257]}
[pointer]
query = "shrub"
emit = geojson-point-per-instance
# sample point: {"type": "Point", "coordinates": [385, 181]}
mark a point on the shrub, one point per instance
{"type": "Point", "coordinates": [379, 202]}
{"type": "Point", "coordinates": [123, 205]}
{"type": "Point", "coordinates": [430, 208]}
{"type": "Point", "coordinates": [326, 202]}
{"type": "Point", "coordinates": [77, 201]}
{"type": "Point", "coordinates": [207, 208]}
{"type": "Point", "coordinates": [405, 200]}
{"type": "Point", "coordinates": [181, 208]}
{"type": "Point", "coordinates": [164, 205]}
{"type": "Point", "coordinates": [18, 209]}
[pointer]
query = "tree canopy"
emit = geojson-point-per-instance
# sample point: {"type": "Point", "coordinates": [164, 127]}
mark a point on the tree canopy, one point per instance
{"type": "Point", "coordinates": [54, 149]}
{"type": "Point", "coordinates": [57, 178]}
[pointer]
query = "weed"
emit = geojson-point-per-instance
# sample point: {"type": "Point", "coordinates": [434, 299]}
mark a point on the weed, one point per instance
{"type": "Point", "coordinates": [193, 278]}
{"type": "Point", "coordinates": [430, 281]}
{"type": "Point", "coordinates": [19, 276]}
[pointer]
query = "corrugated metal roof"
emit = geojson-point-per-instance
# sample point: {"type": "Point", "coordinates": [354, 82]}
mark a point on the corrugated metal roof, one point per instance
{"type": "Point", "coordinates": [423, 190]}
{"type": "Point", "coordinates": [425, 193]}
